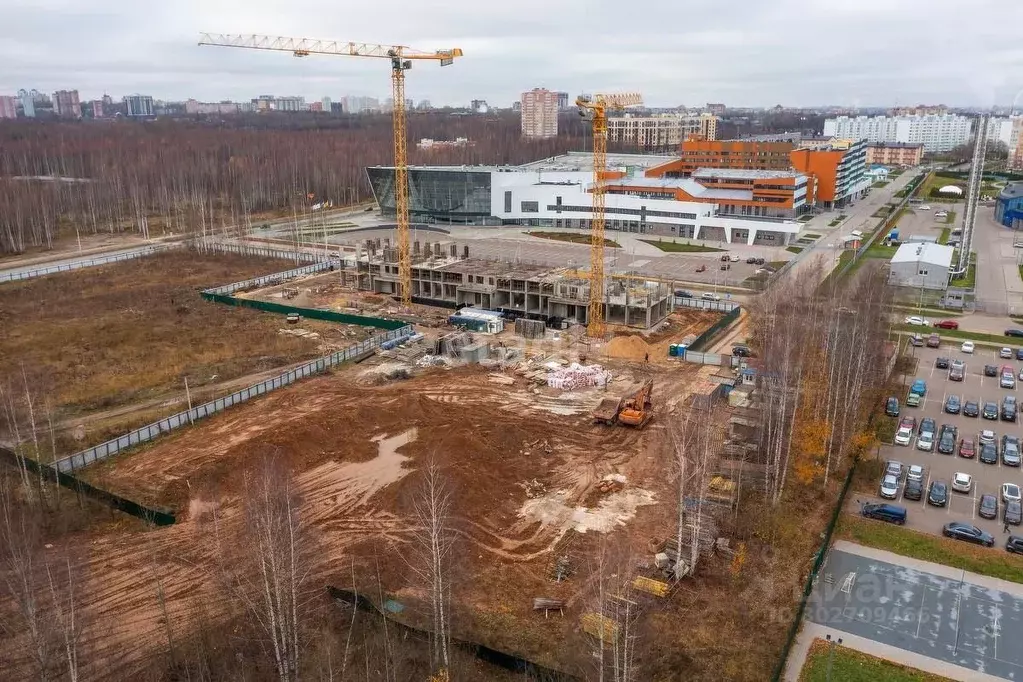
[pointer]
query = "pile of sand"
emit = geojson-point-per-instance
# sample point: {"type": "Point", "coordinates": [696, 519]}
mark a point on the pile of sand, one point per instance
{"type": "Point", "coordinates": [629, 348]}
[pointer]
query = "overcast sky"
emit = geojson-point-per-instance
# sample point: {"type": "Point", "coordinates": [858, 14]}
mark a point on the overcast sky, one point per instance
{"type": "Point", "coordinates": [740, 52]}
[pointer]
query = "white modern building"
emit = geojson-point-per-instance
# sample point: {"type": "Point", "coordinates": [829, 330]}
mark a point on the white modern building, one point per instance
{"type": "Point", "coordinates": [936, 132]}
{"type": "Point", "coordinates": [556, 192]}
{"type": "Point", "coordinates": [921, 266]}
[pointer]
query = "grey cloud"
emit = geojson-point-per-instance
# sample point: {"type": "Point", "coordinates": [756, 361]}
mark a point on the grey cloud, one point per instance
{"type": "Point", "coordinates": [747, 52]}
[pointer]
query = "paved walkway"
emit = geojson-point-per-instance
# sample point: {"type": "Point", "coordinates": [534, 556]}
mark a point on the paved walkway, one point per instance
{"type": "Point", "coordinates": [973, 595]}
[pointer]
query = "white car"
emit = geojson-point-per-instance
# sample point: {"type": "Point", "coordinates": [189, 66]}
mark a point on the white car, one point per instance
{"type": "Point", "coordinates": [903, 436]}
{"type": "Point", "coordinates": [962, 483]}
{"type": "Point", "coordinates": [890, 487]}
{"type": "Point", "coordinates": [918, 321]}
{"type": "Point", "coordinates": [924, 207]}
{"type": "Point", "coordinates": [1010, 492]}
{"type": "Point", "coordinates": [916, 473]}
{"type": "Point", "coordinates": [925, 442]}
{"type": "Point", "coordinates": [1005, 354]}
{"type": "Point", "coordinates": [734, 258]}
{"type": "Point", "coordinates": [707, 296]}
{"type": "Point", "coordinates": [968, 347]}
{"type": "Point", "coordinates": [987, 437]}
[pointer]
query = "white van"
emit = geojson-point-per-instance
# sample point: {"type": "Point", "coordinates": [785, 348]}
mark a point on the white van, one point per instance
{"type": "Point", "coordinates": [707, 296]}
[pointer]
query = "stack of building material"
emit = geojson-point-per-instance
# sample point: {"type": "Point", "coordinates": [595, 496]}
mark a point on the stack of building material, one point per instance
{"type": "Point", "coordinates": [474, 353]}
{"type": "Point", "coordinates": [577, 376]}
{"type": "Point", "coordinates": [530, 329]}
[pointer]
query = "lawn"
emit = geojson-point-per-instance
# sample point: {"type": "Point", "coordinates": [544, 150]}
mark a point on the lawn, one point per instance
{"type": "Point", "coordinates": [573, 238]}
{"type": "Point", "coordinates": [943, 237]}
{"type": "Point", "coordinates": [811, 235]}
{"type": "Point", "coordinates": [879, 184]}
{"type": "Point", "coordinates": [849, 665]}
{"type": "Point", "coordinates": [839, 219]}
{"type": "Point", "coordinates": [994, 562]}
{"type": "Point", "coordinates": [878, 250]}
{"type": "Point", "coordinates": [969, 280]}
{"type": "Point", "coordinates": [676, 247]}
{"type": "Point", "coordinates": [950, 218]}
{"type": "Point", "coordinates": [954, 334]}
{"type": "Point", "coordinates": [794, 249]}
{"type": "Point", "coordinates": [881, 212]}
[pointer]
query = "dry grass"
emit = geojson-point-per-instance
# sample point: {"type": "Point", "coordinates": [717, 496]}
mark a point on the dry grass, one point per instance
{"type": "Point", "coordinates": [113, 335]}
{"type": "Point", "coordinates": [849, 665]}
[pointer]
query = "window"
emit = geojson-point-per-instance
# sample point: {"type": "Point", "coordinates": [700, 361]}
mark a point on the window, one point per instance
{"type": "Point", "coordinates": [507, 202]}
{"type": "Point", "coordinates": [530, 206]}
{"type": "Point", "coordinates": [923, 272]}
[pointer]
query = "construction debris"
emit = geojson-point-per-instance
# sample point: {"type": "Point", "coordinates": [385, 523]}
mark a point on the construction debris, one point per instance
{"type": "Point", "coordinates": [600, 627]}
{"type": "Point", "coordinates": [530, 329]}
{"type": "Point", "coordinates": [547, 605]}
{"type": "Point", "coordinates": [611, 483]}
{"type": "Point", "coordinates": [577, 376]}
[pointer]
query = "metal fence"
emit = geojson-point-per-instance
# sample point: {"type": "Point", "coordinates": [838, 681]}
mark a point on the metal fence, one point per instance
{"type": "Point", "coordinates": [706, 337]}
{"type": "Point", "coordinates": [704, 304]}
{"type": "Point", "coordinates": [84, 263]}
{"type": "Point", "coordinates": [147, 433]}
{"type": "Point", "coordinates": [268, 280]}
{"type": "Point", "coordinates": [263, 251]}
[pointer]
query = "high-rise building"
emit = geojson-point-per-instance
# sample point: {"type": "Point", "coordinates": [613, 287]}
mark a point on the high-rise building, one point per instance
{"type": "Point", "coordinates": [360, 105]}
{"type": "Point", "coordinates": [717, 109]}
{"type": "Point", "coordinates": [479, 106]}
{"type": "Point", "coordinates": [539, 113]}
{"type": "Point", "coordinates": [326, 104]}
{"type": "Point", "coordinates": [98, 111]}
{"type": "Point", "coordinates": [316, 106]}
{"type": "Point", "coordinates": [138, 106]}
{"type": "Point", "coordinates": [8, 106]}
{"type": "Point", "coordinates": [66, 104]}
{"type": "Point", "coordinates": [936, 132]}
{"type": "Point", "coordinates": [894, 153]}
{"type": "Point", "coordinates": [838, 171]}
{"type": "Point", "coordinates": [424, 105]}
{"type": "Point", "coordinates": [28, 105]}
{"type": "Point", "coordinates": [563, 101]}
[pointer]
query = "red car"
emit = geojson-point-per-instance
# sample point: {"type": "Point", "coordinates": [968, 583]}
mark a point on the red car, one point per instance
{"type": "Point", "coordinates": [947, 324]}
{"type": "Point", "coordinates": [967, 449]}
{"type": "Point", "coordinates": [908, 422]}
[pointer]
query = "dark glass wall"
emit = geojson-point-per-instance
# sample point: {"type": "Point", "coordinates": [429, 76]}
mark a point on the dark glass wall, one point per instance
{"type": "Point", "coordinates": [443, 196]}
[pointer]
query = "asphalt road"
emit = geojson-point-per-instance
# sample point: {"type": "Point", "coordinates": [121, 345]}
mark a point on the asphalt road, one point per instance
{"type": "Point", "coordinates": [957, 621]}
{"type": "Point", "coordinates": [987, 478]}
{"type": "Point", "coordinates": [999, 285]}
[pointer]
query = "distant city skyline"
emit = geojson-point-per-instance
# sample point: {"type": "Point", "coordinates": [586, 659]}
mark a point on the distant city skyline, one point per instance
{"type": "Point", "coordinates": [868, 53]}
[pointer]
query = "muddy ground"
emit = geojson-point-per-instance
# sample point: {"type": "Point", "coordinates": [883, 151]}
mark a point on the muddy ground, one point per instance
{"type": "Point", "coordinates": [521, 462]}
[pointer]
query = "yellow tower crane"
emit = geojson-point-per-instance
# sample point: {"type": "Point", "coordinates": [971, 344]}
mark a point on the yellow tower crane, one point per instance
{"type": "Point", "coordinates": [596, 108]}
{"type": "Point", "coordinates": [401, 61]}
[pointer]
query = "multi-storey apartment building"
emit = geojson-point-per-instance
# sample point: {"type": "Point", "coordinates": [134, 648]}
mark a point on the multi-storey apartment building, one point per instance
{"type": "Point", "coordinates": [895, 153]}
{"type": "Point", "coordinates": [66, 104]}
{"type": "Point", "coordinates": [8, 106]}
{"type": "Point", "coordinates": [539, 109]}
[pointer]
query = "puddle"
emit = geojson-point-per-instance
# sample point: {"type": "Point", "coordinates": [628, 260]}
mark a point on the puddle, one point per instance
{"type": "Point", "coordinates": [365, 478]}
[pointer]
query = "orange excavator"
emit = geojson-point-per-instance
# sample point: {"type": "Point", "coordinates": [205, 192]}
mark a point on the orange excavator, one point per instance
{"type": "Point", "coordinates": [634, 410]}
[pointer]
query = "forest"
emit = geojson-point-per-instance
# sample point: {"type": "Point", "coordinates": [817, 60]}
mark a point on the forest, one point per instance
{"type": "Point", "coordinates": [62, 179]}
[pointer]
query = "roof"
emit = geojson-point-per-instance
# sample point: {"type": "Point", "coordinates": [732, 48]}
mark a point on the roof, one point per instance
{"type": "Point", "coordinates": [1012, 191]}
{"type": "Point", "coordinates": [744, 173]}
{"type": "Point", "coordinates": [688, 185]}
{"type": "Point", "coordinates": [896, 145]}
{"type": "Point", "coordinates": [951, 189]}
{"type": "Point", "coordinates": [932, 254]}
{"type": "Point", "coordinates": [583, 161]}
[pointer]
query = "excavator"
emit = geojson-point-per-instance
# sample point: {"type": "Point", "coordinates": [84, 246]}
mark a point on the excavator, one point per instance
{"type": "Point", "coordinates": [634, 410]}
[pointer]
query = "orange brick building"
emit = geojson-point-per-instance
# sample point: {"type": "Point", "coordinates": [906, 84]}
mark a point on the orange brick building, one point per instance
{"type": "Point", "coordinates": [838, 172]}
{"type": "Point", "coordinates": [739, 154]}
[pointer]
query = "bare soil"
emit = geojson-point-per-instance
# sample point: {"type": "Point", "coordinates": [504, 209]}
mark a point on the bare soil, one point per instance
{"type": "Point", "coordinates": [132, 332]}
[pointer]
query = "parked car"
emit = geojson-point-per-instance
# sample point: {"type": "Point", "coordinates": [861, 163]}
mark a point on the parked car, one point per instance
{"type": "Point", "coordinates": [751, 260]}
{"type": "Point", "coordinates": [909, 422]}
{"type": "Point", "coordinates": [1010, 493]}
{"type": "Point", "coordinates": [1005, 353]}
{"type": "Point", "coordinates": [916, 341]}
{"type": "Point", "coordinates": [937, 494]}
{"type": "Point", "coordinates": [913, 400]}
{"type": "Point", "coordinates": [884, 512]}
{"type": "Point", "coordinates": [957, 372]}
{"type": "Point", "coordinates": [914, 490]}
{"type": "Point", "coordinates": [941, 363]}
{"type": "Point", "coordinates": [947, 440]}
{"type": "Point", "coordinates": [1013, 513]}
{"type": "Point", "coordinates": [967, 347]}
{"type": "Point", "coordinates": [918, 321]}
{"type": "Point", "coordinates": [946, 324]}
{"type": "Point", "coordinates": [971, 409]}
{"type": "Point", "coordinates": [894, 467]}
{"type": "Point", "coordinates": [741, 350]}
{"type": "Point", "coordinates": [925, 441]}
{"type": "Point", "coordinates": [934, 341]}
{"type": "Point", "coordinates": [962, 482]}
{"type": "Point", "coordinates": [1010, 451]}
{"type": "Point", "coordinates": [990, 370]}
{"type": "Point", "coordinates": [708, 296]}
{"type": "Point", "coordinates": [928, 424]}
{"type": "Point", "coordinates": [915, 473]}
{"type": "Point", "coordinates": [990, 411]}
{"type": "Point", "coordinates": [988, 454]}
{"type": "Point", "coordinates": [987, 436]}
{"type": "Point", "coordinates": [967, 532]}
{"type": "Point", "coordinates": [987, 508]}
{"type": "Point", "coordinates": [1007, 378]}
{"type": "Point", "coordinates": [701, 268]}
{"type": "Point", "coordinates": [724, 258]}
{"type": "Point", "coordinates": [953, 404]}
{"type": "Point", "coordinates": [889, 487]}
{"type": "Point", "coordinates": [1009, 408]}
{"type": "Point", "coordinates": [682, 293]}
{"type": "Point", "coordinates": [924, 207]}
{"type": "Point", "coordinates": [1014, 545]}
{"type": "Point", "coordinates": [891, 406]}
{"type": "Point", "coordinates": [903, 436]}
{"type": "Point", "coordinates": [919, 387]}
{"type": "Point", "coordinates": [1018, 333]}
{"type": "Point", "coordinates": [967, 448]}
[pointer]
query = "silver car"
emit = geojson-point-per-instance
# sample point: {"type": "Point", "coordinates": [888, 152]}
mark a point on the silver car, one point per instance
{"type": "Point", "coordinates": [915, 473]}
{"type": "Point", "coordinates": [889, 487]}
{"type": "Point", "coordinates": [925, 442]}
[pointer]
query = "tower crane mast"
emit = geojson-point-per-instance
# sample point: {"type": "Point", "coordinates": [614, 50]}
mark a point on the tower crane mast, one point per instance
{"type": "Point", "coordinates": [596, 108]}
{"type": "Point", "coordinates": [401, 58]}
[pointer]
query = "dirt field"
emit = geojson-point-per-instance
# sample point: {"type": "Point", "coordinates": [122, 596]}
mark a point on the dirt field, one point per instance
{"type": "Point", "coordinates": [522, 466]}
{"type": "Point", "coordinates": [95, 340]}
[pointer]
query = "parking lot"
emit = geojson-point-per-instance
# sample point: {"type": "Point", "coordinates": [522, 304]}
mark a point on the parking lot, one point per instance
{"type": "Point", "coordinates": [987, 478]}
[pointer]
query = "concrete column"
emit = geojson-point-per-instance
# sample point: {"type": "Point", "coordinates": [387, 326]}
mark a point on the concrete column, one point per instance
{"type": "Point", "coordinates": [752, 237]}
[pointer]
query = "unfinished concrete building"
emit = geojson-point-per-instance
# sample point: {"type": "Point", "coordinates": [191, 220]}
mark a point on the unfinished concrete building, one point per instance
{"type": "Point", "coordinates": [521, 290]}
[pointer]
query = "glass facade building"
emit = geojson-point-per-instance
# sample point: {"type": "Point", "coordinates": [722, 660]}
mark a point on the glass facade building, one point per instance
{"type": "Point", "coordinates": [437, 196]}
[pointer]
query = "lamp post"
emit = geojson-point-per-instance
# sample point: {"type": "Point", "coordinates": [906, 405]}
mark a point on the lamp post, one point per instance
{"type": "Point", "coordinates": [831, 654]}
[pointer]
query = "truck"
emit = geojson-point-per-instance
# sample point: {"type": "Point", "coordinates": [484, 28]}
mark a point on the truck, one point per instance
{"type": "Point", "coordinates": [607, 411]}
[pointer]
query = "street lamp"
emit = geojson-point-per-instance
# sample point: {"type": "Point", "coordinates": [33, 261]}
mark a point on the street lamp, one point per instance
{"type": "Point", "coordinates": [831, 654]}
